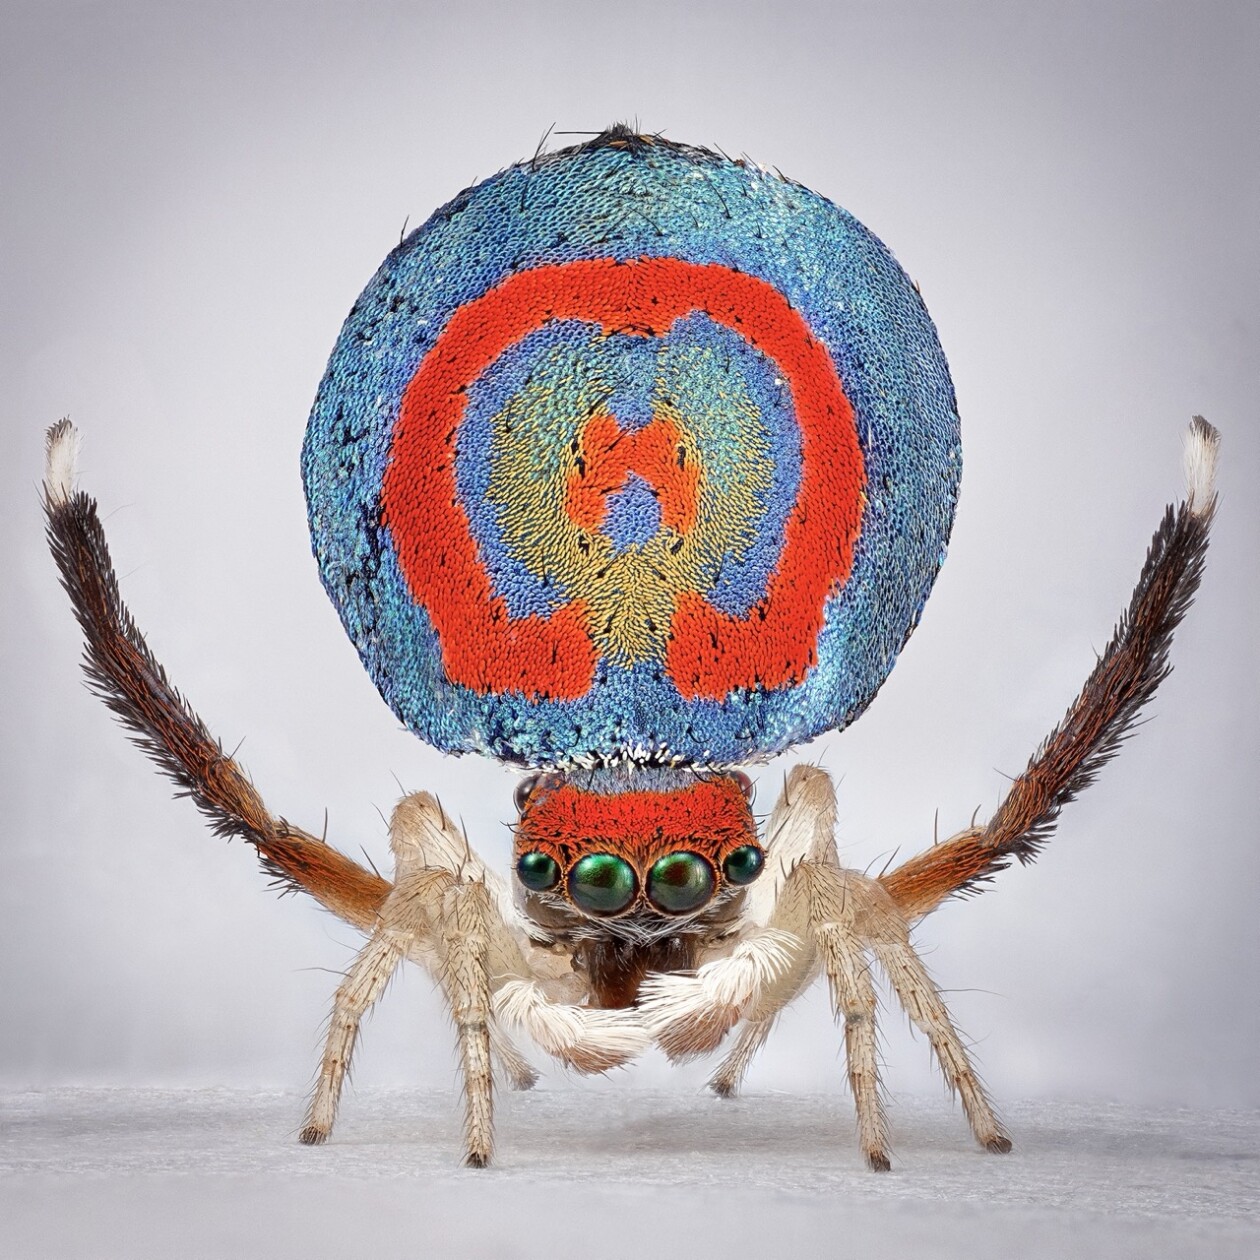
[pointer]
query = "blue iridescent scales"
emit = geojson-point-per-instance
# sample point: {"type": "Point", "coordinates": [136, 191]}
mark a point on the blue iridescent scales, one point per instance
{"type": "Point", "coordinates": [633, 452]}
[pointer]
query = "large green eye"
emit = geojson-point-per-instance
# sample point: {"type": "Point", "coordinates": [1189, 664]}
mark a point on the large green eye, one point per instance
{"type": "Point", "coordinates": [602, 884]}
{"type": "Point", "coordinates": [744, 864]}
{"type": "Point", "coordinates": [680, 882]}
{"type": "Point", "coordinates": [538, 871]}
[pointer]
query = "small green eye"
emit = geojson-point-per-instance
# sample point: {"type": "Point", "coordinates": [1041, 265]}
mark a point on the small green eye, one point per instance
{"type": "Point", "coordinates": [601, 883]}
{"type": "Point", "coordinates": [680, 882]}
{"type": "Point", "coordinates": [538, 871]}
{"type": "Point", "coordinates": [744, 864]}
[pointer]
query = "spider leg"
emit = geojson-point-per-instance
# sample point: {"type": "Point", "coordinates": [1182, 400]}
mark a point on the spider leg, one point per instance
{"type": "Point", "coordinates": [362, 987]}
{"type": "Point", "coordinates": [760, 1017]}
{"type": "Point", "coordinates": [853, 995]}
{"type": "Point", "coordinates": [852, 914]}
{"type": "Point", "coordinates": [925, 1006]}
{"type": "Point", "coordinates": [1104, 714]}
{"type": "Point", "coordinates": [520, 1072]}
{"type": "Point", "coordinates": [800, 828]}
{"type": "Point", "coordinates": [530, 986]}
{"type": "Point", "coordinates": [466, 941]}
{"type": "Point", "coordinates": [789, 843]}
{"type": "Point", "coordinates": [840, 918]}
{"type": "Point", "coordinates": [122, 670]}
{"type": "Point", "coordinates": [729, 1075]}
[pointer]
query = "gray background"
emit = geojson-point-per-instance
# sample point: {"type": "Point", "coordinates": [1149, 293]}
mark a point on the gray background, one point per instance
{"type": "Point", "coordinates": [193, 197]}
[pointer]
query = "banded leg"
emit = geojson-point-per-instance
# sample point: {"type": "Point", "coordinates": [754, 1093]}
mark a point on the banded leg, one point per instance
{"type": "Point", "coordinates": [356, 995]}
{"type": "Point", "coordinates": [925, 1006]}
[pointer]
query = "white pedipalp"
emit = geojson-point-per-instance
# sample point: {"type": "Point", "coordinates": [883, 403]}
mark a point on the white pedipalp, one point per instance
{"type": "Point", "coordinates": [584, 1038]}
{"type": "Point", "coordinates": [690, 1013]}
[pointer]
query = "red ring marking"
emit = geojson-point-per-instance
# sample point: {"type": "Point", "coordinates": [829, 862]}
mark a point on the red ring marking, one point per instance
{"type": "Point", "coordinates": [710, 653]}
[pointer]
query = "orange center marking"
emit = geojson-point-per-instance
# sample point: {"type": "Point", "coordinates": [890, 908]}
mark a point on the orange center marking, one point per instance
{"type": "Point", "coordinates": [609, 455]}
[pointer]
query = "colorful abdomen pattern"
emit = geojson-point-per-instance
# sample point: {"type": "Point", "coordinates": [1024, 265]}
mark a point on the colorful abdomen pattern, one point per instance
{"type": "Point", "coordinates": [632, 453]}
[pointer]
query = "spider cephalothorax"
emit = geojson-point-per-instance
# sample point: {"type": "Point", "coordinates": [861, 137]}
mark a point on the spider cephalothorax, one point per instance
{"type": "Point", "coordinates": [636, 871]}
{"type": "Point", "coordinates": [632, 464]}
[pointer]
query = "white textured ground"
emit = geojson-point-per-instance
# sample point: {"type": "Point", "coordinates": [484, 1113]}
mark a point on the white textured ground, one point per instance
{"type": "Point", "coordinates": [597, 1173]}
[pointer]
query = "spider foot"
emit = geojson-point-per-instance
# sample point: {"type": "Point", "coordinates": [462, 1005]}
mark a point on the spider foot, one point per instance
{"type": "Point", "coordinates": [313, 1135]}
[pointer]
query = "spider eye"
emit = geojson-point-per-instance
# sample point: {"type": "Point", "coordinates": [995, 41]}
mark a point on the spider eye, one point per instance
{"type": "Point", "coordinates": [523, 789]}
{"type": "Point", "coordinates": [680, 882]}
{"type": "Point", "coordinates": [601, 883]}
{"type": "Point", "coordinates": [746, 785]}
{"type": "Point", "coordinates": [538, 871]}
{"type": "Point", "coordinates": [744, 864]}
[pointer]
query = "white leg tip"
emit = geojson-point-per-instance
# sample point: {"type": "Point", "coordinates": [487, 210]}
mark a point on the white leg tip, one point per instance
{"type": "Point", "coordinates": [61, 463]}
{"type": "Point", "coordinates": [1203, 443]}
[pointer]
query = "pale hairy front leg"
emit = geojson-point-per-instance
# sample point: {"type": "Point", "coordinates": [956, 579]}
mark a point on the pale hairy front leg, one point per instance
{"type": "Point", "coordinates": [800, 828]}
{"type": "Point", "coordinates": [438, 918]}
{"type": "Point", "coordinates": [531, 986]}
{"type": "Point", "coordinates": [852, 911]}
{"type": "Point", "coordinates": [759, 1020]}
{"type": "Point", "coordinates": [520, 1072]}
{"type": "Point", "coordinates": [729, 1076]}
{"type": "Point", "coordinates": [450, 915]}
{"type": "Point", "coordinates": [403, 928]}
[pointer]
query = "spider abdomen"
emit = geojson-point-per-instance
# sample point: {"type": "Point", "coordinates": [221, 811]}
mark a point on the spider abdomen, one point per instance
{"type": "Point", "coordinates": [633, 453]}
